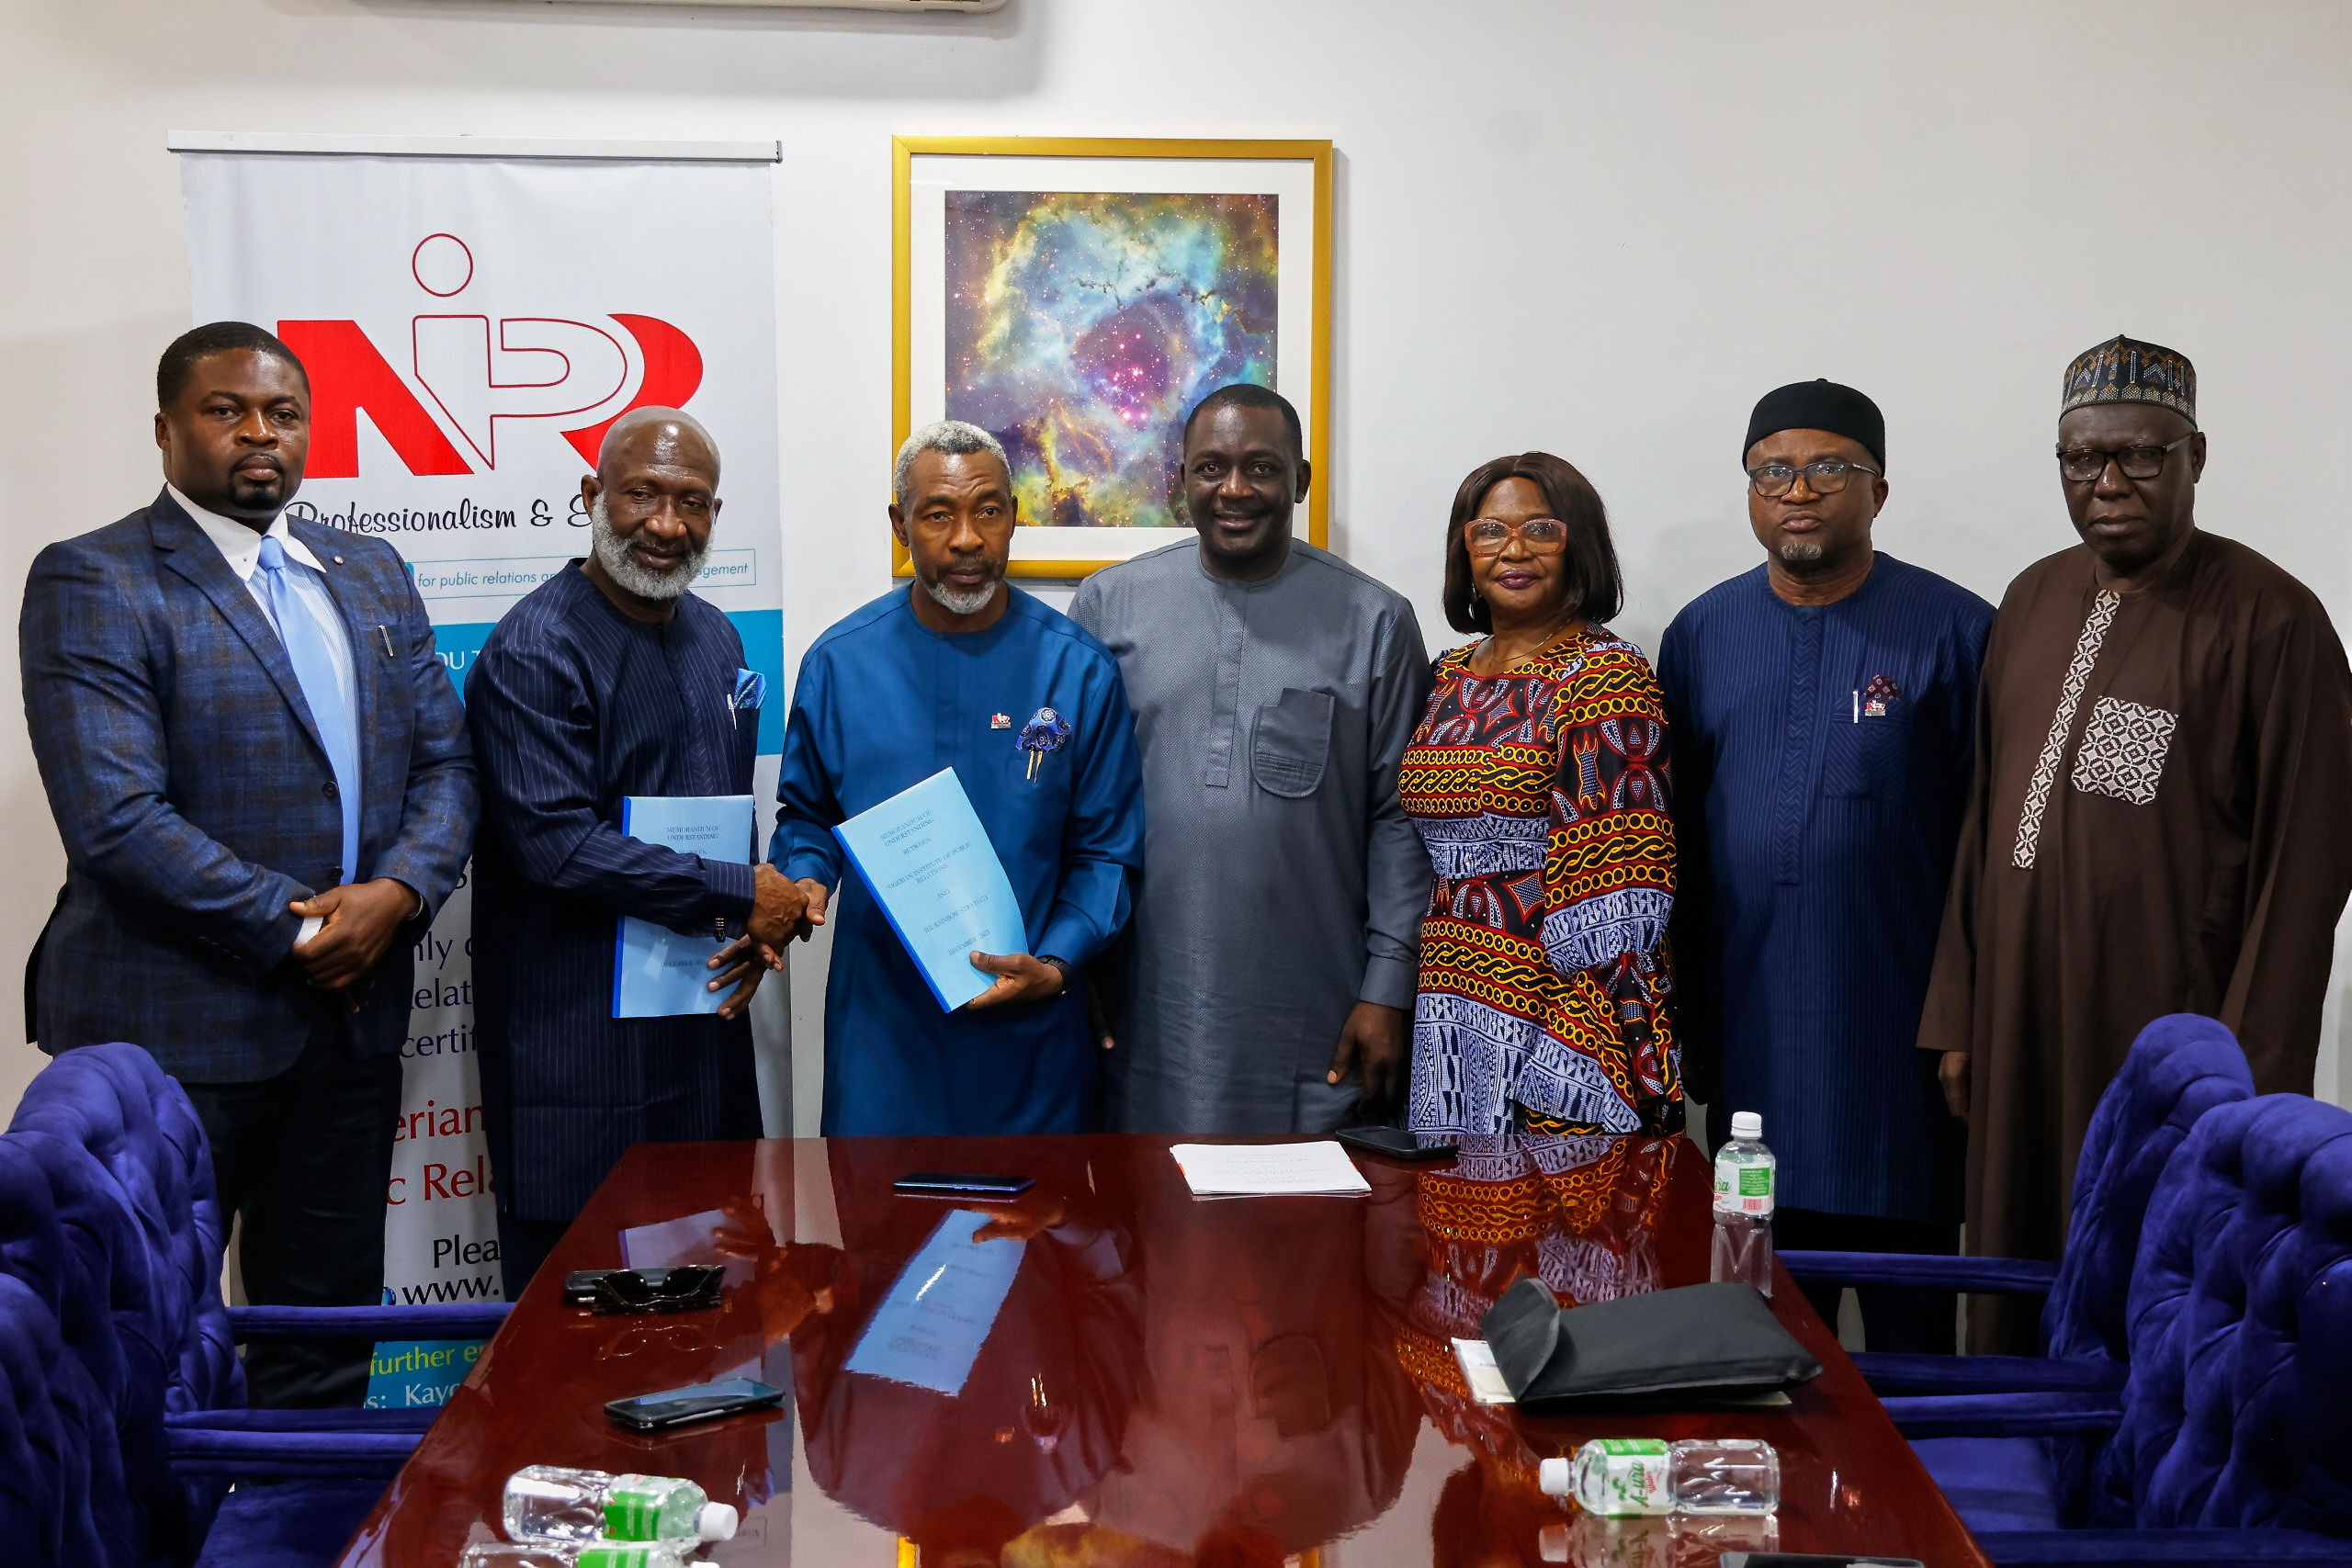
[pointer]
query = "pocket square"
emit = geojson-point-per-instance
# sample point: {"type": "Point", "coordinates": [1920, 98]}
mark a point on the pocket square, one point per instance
{"type": "Point", "coordinates": [751, 690]}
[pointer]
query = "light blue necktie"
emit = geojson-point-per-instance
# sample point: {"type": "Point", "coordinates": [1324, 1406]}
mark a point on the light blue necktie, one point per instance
{"type": "Point", "coordinates": [307, 650]}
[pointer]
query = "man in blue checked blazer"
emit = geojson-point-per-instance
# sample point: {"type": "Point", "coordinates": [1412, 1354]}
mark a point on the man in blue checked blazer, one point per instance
{"type": "Point", "coordinates": [262, 776]}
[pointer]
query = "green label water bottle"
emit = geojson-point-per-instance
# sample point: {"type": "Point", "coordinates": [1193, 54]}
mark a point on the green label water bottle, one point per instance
{"type": "Point", "coordinates": [545, 1501]}
{"type": "Point", "coordinates": [1745, 1174]}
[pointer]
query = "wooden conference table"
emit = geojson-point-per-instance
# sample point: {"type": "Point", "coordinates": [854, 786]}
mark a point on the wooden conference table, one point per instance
{"type": "Point", "coordinates": [1167, 1381]}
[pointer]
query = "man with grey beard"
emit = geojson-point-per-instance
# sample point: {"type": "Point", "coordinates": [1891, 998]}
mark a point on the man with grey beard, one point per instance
{"type": "Point", "coordinates": [961, 670]}
{"type": "Point", "coordinates": [609, 680]}
{"type": "Point", "coordinates": [1821, 708]}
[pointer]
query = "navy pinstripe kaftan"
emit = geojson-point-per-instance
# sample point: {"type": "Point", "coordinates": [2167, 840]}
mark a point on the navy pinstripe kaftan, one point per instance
{"type": "Point", "coordinates": [572, 706]}
{"type": "Point", "coordinates": [1822, 758]}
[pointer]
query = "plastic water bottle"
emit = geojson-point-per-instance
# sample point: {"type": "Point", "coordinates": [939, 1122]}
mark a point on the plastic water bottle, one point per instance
{"type": "Point", "coordinates": [1619, 1477]}
{"type": "Point", "coordinates": [572, 1554]}
{"type": "Point", "coordinates": [1725, 1475]}
{"type": "Point", "coordinates": [545, 1502]}
{"type": "Point", "coordinates": [1595, 1540]}
{"type": "Point", "coordinates": [1745, 1176]}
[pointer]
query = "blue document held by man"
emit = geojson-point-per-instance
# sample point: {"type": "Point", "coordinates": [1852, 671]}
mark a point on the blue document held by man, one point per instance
{"type": "Point", "coordinates": [930, 867]}
{"type": "Point", "coordinates": [657, 971]}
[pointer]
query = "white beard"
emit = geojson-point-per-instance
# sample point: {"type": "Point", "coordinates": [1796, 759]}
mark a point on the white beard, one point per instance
{"type": "Point", "coordinates": [1800, 552]}
{"type": "Point", "coordinates": [956, 603]}
{"type": "Point", "coordinates": [622, 567]}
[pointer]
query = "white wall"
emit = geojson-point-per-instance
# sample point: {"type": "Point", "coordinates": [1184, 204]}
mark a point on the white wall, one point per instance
{"type": "Point", "coordinates": [1598, 228]}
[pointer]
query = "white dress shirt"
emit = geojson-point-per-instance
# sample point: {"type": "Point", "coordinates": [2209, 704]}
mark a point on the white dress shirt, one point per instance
{"type": "Point", "coordinates": [240, 545]}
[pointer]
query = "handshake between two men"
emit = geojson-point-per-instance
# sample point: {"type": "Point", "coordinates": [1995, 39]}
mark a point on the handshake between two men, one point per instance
{"type": "Point", "coordinates": [785, 911]}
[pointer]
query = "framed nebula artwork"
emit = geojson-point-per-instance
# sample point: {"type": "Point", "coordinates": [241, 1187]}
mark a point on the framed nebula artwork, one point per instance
{"type": "Point", "coordinates": [1075, 298]}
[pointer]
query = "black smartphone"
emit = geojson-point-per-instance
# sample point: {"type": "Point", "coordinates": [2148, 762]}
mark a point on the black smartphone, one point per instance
{"type": "Point", "coordinates": [961, 1184]}
{"type": "Point", "coordinates": [1394, 1143]}
{"type": "Point", "coordinates": [703, 1402]}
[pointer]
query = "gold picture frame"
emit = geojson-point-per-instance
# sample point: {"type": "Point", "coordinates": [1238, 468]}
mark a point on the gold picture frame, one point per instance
{"type": "Point", "coordinates": [927, 169]}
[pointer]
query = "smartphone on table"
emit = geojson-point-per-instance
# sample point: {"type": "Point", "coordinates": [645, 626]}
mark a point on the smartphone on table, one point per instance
{"type": "Point", "coordinates": [962, 1184]}
{"type": "Point", "coordinates": [1396, 1143]}
{"type": "Point", "coordinates": [702, 1402]}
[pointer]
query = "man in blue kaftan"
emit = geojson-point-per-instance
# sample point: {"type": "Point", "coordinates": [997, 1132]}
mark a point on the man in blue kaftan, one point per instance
{"type": "Point", "coordinates": [611, 679]}
{"type": "Point", "coordinates": [1822, 709]}
{"type": "Point", "coordinates": [961, 670]}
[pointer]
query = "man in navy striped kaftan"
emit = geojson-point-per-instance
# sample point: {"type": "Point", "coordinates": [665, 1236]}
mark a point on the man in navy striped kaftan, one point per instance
{"type": "Point", "coordinates": [1821, 710]}
{"type": "Point", "coordinates": [610, 680]}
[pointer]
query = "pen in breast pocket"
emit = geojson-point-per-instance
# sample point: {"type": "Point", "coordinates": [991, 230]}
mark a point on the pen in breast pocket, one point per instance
{"type": "Point", "coordinates": [385, 632]}
{"type": "Point", "coordinates": [1858, 708]}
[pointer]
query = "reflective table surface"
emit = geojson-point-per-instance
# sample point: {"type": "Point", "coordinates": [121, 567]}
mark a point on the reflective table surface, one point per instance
{"type": "Point", "coordinates": [1110, 1372]}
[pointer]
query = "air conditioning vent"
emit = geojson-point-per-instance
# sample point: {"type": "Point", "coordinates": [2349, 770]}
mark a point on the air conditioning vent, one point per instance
{"type": "Point", "coordinates": [972, 6]}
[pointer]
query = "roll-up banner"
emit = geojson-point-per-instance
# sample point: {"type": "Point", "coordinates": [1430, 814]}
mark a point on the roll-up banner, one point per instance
{"type": "Point", "coordinates": [473, 316]}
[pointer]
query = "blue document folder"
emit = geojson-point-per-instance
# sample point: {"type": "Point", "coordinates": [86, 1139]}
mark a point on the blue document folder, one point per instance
{"type": "Point", "coordinates": [658, 973]}
{"type": "Point", "coordinates": [930, 1328]}
{"type": "Point", "coordinates": [928, 862]}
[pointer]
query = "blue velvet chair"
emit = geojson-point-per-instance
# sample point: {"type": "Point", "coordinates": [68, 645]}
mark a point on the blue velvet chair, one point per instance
{"type": "Point", "coordinates": [2181, 1066]}
{"type": "Point", "coordinates": [55, 1509]}
{"type": "Point", "coordinates": [2231, 1439]}
{"type": "Point", "coordinates": [136, 1255]}
{"type": "Point", "coordinates": [36, 1497]}
{"type": "Point", "coordinates": [102, 1257]}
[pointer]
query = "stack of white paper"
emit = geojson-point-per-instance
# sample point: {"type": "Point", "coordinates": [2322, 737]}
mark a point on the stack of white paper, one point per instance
{"type": "Point", "coordinates": [1230, 1170]}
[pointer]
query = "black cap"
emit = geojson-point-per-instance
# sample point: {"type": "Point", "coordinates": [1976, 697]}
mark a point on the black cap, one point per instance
{"type": "Point", "coordinates": [1818, 405]}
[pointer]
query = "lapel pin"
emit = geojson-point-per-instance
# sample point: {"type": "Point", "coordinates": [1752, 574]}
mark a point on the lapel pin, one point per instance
{"type": "Point", "coordinates": [1000, 721]}
{"type": "Point", "coordinates": [1045, 731]}
{"type": "Point", "coordinates": [338, 561]}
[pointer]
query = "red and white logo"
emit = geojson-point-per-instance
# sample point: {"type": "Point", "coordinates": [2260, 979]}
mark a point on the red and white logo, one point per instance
{"type": "Point", "coordinates": [476, 381]}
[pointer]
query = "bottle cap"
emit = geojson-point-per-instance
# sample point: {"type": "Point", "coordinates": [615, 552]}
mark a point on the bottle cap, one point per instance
{"type": "Point", "coordinates": [1555, 1477]}
{"type": "Point", "coordinates": [1747, 1124]}
{"type": "Point", "coordinates": [716, 1522]}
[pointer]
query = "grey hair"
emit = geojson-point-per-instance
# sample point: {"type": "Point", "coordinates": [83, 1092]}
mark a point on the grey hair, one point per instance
{"type": "Point", "coordinates": [949, 437]}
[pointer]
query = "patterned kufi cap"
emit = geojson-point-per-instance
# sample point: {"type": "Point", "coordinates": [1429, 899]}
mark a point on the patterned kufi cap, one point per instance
{"type": "Point", "coordinates": [2123, 371]}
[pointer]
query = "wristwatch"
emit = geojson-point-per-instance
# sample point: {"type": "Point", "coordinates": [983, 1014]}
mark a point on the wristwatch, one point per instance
{"type": "Point", "coordinates": [1061, 967]}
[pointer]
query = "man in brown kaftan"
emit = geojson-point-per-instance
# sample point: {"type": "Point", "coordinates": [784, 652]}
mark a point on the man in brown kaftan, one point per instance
{"type": "Point", "coordinates": [2162, 817]}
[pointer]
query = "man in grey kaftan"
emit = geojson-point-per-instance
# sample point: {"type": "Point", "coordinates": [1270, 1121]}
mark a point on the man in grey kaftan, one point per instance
{"type": "Point", "coordinates": [1274, 688]}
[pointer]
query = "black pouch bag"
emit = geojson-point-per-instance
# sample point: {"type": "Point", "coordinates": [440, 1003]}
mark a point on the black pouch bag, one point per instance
{"type": "Point", "coordinates": [1704, 1342]}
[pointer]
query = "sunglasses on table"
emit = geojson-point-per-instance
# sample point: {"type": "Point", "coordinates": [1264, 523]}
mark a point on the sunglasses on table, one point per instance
{"type": "Point", "coordinates": [691, 1287]}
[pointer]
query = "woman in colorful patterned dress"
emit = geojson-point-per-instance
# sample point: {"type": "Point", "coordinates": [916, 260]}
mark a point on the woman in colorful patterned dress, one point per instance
{"type": "Point", "coordinates": [1539, 781]}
